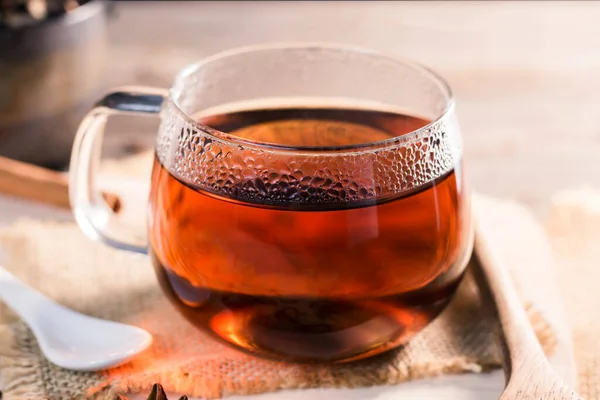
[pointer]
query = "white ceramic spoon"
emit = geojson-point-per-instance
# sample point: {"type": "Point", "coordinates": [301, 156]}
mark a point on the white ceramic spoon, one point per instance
{"type": "Point", "coordinates": [69, 339]}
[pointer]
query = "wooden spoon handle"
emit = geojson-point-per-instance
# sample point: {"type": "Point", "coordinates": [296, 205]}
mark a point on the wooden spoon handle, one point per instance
{"type": "Point", "coordinates": [40, 184]}
{"type": "Point", "coordinates": [529, 375]}
{"type": "Point", "coordinates": [520, 340]}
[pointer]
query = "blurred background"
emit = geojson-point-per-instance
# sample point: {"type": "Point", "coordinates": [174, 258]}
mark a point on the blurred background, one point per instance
{"type": "Point", "coordinates": [526, 75]}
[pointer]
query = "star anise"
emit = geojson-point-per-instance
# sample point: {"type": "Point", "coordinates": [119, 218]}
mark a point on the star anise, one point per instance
{"type": "Point", "coordinates": [157, 393]}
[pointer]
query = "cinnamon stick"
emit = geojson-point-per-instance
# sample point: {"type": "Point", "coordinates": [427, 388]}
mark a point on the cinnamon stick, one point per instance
{"type": "Point", "coordinates": [39, 184]}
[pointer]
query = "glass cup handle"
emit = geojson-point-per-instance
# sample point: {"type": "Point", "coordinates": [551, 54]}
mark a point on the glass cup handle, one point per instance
{"type": "Point", "coordinates": [91, 212]}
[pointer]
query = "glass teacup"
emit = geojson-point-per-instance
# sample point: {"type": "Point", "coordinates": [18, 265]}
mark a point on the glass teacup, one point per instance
{"type": "Point", "coordinates": [307, 202]}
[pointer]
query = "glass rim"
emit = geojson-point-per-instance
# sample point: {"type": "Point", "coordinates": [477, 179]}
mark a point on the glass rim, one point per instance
{"type": "Point", "coordinates": [416, 134]}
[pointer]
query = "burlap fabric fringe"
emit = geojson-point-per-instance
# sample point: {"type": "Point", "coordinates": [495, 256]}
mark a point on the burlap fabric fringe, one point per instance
{"type": "Point", "coordinates": [61, 262]}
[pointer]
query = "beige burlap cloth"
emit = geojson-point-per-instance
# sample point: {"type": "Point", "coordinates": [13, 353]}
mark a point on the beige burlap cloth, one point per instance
{"type": "Point", "coordinates": [58, 260]}
{"type": "Point", "coordinates": [574, 230]}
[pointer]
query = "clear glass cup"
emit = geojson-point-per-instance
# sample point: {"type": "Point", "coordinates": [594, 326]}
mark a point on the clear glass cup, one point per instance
{"type": "Point", "coordinates": [307, 201]}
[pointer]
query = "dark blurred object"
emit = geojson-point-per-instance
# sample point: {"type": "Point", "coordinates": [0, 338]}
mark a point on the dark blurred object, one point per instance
{"type": "Point", "coordinates": [157, 393]}
{"type": "Point", "coordinates": [20, 13]}
{"type": "Point", "coordinates": [52, 55]}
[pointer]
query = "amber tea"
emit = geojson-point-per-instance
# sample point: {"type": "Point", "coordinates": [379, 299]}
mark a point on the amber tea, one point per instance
{"type": "Point", "coordinates": [282, 260]}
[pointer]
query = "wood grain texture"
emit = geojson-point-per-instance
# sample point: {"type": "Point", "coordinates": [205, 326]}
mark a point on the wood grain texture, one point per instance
{"type": "Point", "coordinates": [528, 373]}
{"type": "Point", "coordinates": [39, 184]}
{"type": "Point", "coordinates": [526, 75]}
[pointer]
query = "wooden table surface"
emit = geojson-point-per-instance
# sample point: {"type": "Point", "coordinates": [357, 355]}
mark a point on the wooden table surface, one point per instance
{"type": "Point", "coordinates": [526, 75]}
